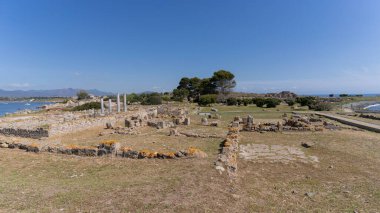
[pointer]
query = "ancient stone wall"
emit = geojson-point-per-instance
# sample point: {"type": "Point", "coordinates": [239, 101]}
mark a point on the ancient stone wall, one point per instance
{"type": "Point", "coordinates": [25, 133]}
{"type": "Point", "coordinates": [106, 148]}
{"type": "Point", "coordinates": [229, 149]}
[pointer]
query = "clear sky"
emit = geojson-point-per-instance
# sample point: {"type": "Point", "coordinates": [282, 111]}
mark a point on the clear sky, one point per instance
{"type": "Point", "coordinates": [306, 46]}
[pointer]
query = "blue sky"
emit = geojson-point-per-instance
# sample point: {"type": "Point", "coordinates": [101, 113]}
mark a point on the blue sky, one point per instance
{"type": "Point", "coordinates": [306, 46]}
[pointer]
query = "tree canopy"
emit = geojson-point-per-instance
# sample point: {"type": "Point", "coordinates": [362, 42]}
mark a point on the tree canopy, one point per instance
{"type": "Point", "coordinates": [222, 82]}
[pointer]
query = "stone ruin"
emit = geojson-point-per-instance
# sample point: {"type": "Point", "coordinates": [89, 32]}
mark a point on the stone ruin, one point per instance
{"type": "Point", "coordinates": [106, 148]}
{"type": "Point", "coordinates": [25, 133]}
{"type": "Point", "coordinates": [156, 118]}
{"type": "Point", "coordinates": [294, 123]}
{"type": "Point", "coordinates": [229, 150]}
{"type": "Point", "coordinates": [175, 132]}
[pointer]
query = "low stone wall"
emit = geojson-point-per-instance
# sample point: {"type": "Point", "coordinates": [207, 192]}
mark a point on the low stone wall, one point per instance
{"type": "Point", "coordinates": [106, 148]}
{"type": "Point", "coordinates": [25, 133]}
{"type": "Point", "coordinates": [229, 149]}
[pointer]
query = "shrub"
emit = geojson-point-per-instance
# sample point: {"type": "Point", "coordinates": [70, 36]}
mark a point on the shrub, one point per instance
{"type": "Point", "coordinates": [180, 94]}
{"type": "Point", "coordinates": [272, 102]}
{"type": "Point", "coordinates": [82, 95]}
{"type": "Point", "coordinates": [206, 100]}
{"type": "Point", "coordinates": [239, 102]}
{"type": "Point", "coordinates": [322, 106]}
{"type": "Point", "coordinates": [152, 99]}
{"type": "Point", "coordinates": [260, 102]}
{"type": "Point", "coordinates": [246, 102]}
{"type": "Point", "coordinates": [306, 101]}
{"type": "Point", "coordinates": [343, 95]}
{"type": "Point", "coordinates": [166, 98]}
{"type": "Point", "coordinates": [87, 106]}
{"type": "Point", "coordinates": [133, 98]}
{"type": "Point", "coordinates": [290, 102]}
{"type": "Point", "coordinates": [231, 101]}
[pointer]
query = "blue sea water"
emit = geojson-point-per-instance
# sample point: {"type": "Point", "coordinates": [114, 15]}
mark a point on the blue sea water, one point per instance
{"type": "Point", "coordinates": [10, 107]}
{"type": "Point", "coordinates": [374, 107]}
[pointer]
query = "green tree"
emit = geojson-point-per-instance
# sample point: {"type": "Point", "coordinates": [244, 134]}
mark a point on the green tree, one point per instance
{"type": "Point", "coordinates": [180, 94]}
{"type": "Point", "coordinates": [207, 87]}
{"type": "Point", "coordinates": [206, 100]}
{"type": "Point", "coordinates": [272, 102]}
{"type": "Point", "coordinates": [151, 99]}
{"type": "Point", "coordinates": [306, 101]}
{"type": "Point", "coordinates": [223, 81]}
{"type": "Point", "coordinates": [290, 102]}
{"type": "Point", "coordinates": [82, 95]}
{"type": "Point", "coordinates": [231, 101]}
{"type": "Point", "coordinates": [133, 98]}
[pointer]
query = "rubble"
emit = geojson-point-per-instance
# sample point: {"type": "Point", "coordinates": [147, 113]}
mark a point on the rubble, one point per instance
{"type": "Point", "coordinates": [228, 153]}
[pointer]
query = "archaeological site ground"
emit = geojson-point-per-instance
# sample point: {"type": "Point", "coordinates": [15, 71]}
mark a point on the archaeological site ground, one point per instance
{"type": "Point", "coordinates": [185, 158]}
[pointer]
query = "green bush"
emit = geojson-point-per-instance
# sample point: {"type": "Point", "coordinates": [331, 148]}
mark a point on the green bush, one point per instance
{"type": "Point", "coordinates": [133, 98]}
{"type": "Point", "coordinates": [306, 101]}
{"type": "Point", "coordinates": [272, 102]}
{"type": "Point", "coordinates": [180, 94]}
{"type": "Point", "coordinates": [82, 95]}
{"type": "Point", "coordinates": [290, 102]}
{"type": "Point", "coordinates": [87, 106]}
{"type": "Point", "coordinates": [322, 106]}
{"type": "Point", "coordinates": [206, 100]}
{"type": "Point", "coordinates": [152, 99]}
{"type": "Point", "coordinates": [231, 101]}
{"type": "Point", "coordinates": [246, 102]}
{"type": "Point", "coordinates": [260, 102]}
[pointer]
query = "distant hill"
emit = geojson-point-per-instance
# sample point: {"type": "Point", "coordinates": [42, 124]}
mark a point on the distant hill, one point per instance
{"type": "Point", "coordinates": [69, 92]}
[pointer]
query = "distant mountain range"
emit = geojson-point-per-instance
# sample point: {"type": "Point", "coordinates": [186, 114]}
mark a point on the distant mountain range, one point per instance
{"type": "Point", "coordinates": [69, 92]}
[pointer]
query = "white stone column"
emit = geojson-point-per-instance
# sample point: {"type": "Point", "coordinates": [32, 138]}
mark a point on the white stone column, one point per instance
{"type": "Point", "coordinates": [125, 102]}
{"type": "Point", "coordinates": [109, 105]}
{"type": "Point", "coordinates": [118, 102]}
{"type": "Point", "coordinates": [102, 106]}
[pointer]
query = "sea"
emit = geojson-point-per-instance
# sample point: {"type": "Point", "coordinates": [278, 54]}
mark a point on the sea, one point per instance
{"type": "Point", "coordinates": [373, 107]}
{"type": "Point", "coordinates": [11, 107]}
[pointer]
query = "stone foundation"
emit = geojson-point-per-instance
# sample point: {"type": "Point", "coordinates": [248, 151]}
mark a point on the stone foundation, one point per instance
{"type": "Point", "coordinates": [25, 133]}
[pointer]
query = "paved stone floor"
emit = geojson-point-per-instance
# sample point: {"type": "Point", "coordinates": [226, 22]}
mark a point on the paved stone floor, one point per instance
{"type": "Point", "coordinates": [262, 153]}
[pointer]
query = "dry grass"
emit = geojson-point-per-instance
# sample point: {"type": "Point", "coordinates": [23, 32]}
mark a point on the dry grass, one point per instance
{"type": "Point", "coordinates": [347, 178]}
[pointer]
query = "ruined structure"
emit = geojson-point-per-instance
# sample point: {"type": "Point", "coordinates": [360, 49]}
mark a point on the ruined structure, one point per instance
{"type": "Point", "coordinates": [229, 149]}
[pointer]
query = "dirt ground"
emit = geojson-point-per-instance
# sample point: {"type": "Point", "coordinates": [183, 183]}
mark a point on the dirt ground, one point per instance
{"type": "Point", "coordinates": [345, 177]}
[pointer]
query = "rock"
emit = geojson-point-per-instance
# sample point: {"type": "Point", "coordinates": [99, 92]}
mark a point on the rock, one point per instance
{"type": "Point", "coordinates": [180, 154]}
{"type": "Point", "coordinates": [214, 110]}
{"type": "Point", "coordinates": [235, 124]}
{"type": "Point", "coordinates": [160, 125]}
{"type": "Point", "coordinates": [214, 123]}
{"type": "Point", "coordinates": [109, 125]}
{"type": "Point", "coordinates": [131, 154]}
{"type": "Point", "coordinates": [308, 144]}
{"type": "Point", "coordinates": [33, 148]}
{"type": "Point", "coordinates": [4, 145]}
{"type": "Point", "coordinates": [176, 121]}
{"type": "Point", "coordinates": [174, 132]}
{"type": "Point", "coordinates": [197, 153]}
{"type": "Point", "coordinates": [220, 168]}
{"type": "Point", "coordinates": [128, 123]}
{"type": "Point", "coordinates": [187, 121]}
{"type": "Point", "coordinates": [102, 152]}
{"type": "Point", "coordinates": [204, 121]}
{"type": "Point", "coordinates": [309, 194]}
